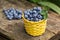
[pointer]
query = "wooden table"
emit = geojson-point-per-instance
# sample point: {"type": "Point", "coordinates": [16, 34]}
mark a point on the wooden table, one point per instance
{"type": "Point", "coordinates": [15, 28]}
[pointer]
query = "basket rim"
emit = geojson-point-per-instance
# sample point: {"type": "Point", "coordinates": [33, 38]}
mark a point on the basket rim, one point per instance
{"type": "Point", "coordinates": [32, 21]}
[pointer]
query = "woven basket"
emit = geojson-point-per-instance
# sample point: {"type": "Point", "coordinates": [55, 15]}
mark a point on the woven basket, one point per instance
{"type": "Point", "coordinates": [34, 28]}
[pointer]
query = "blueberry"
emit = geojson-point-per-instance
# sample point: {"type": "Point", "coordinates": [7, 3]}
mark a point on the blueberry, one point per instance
{"type": "Point", "coordinates": [34, 11]}
{"type": "Point", "coordinates": [9, 17]}
{"type": "Point", "coordinates": [39, 13]}
{"type": "Point", "coordinates": [6, 12]}
{"type": "Point", "coordinates": [16, 15]}
{"type": "Point", "coordinates": [19, 11]}
{"type": "Point", "coordinates": [39, 8]}
{"type": "Point", "coordinates": [30, 15]}
{"type": "Point", "coordinates": [12, 11]}
{"type": "Point", "coordinates": [39, 16]}
{"type": "Point", "coordinates": [11, 14]}
{"type": "Point", "coordinates": [36, 19]}
{"type": "Point", "coordinates": [31, 19]}
{"type": "Point", "coordinates": [30, 12]}
{"type": "Point", "coordinates": [19, 16]}
{"type": "Point", "coordinates": [25, 12]}
{"type": "Point", "coordinates": [26, 16]}
{"type": "Point", "coordinates": [35, 14]}
{"type": "Point", "coordinates": [35, 8]}
{"type": "Point", "coordinates": [28, 19]}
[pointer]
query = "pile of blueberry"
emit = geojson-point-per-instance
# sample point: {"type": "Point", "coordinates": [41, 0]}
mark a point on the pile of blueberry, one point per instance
{"type": "Point", "coordinates": [12, 13]}
{"type": "Point", "coordinates": [33, 14]}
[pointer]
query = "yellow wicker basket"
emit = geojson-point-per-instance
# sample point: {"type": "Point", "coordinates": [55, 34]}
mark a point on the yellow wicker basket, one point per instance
{"type": "Point", "coordinates": [34, 28]}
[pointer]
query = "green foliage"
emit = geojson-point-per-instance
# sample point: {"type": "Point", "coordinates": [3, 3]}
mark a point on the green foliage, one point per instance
{"type": "Point", "coordinates": [57, 2]}
{"type": "Point", "coordinates": [34, 1]}
{"type": "Point", "coordinates": [51, 5]}
{"type": "Point", "coordinates": [44, 13]}
{"type": "Point", "coordinates": [48, 3]}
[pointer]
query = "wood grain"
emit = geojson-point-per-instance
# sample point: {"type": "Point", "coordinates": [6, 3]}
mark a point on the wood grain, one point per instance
{"type": "Point", "coordinates": [15, 28]}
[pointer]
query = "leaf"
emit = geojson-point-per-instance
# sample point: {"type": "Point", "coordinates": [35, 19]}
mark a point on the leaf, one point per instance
{"type": "Point", "coordinates": [45, 14]}
{"type": "Point", "coordinates": [51, 5]}
{"type": "Point", "coordinates": [57, 2]}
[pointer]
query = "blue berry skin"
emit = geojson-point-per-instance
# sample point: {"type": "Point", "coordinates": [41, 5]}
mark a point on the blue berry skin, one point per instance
{"type": "Point", "coordinates": [39, 8]}
{"type": "Point", "coordinates": [34, 8]}
{"type": "Point", "coordinates": [25, 12]}
{"type": "Point", "coordinates": [36, 19]}
{"type": "Point", "coordinates": [19, 11]}
{"type": "Point", "coordinates": [34, 12]}
{"type": "Point", "coordinates": [28, 13]}
{"type": "Point", "coordinates": [31, 19]}
{"type": "Point", "coordinates": [28, 19]}
{"type": "Point", "coordinates": [39, 16]}
{"type": "Point", "coordinates": [19, 16]}
{"type": "Point", "coordinates": [12, 11]}
{"type": "Point", "coordinates": [6, 12]}
{"type": "Point", "coordinates": [9, 17]}
{"type": "Point", "coordinates": [30, 16]}
{"type": "Point", "coordinates": [15, 15]}
{"type": "Point", "coordinates": [26, 16]}
{"type": "Point", "coordinates": [11, 14]}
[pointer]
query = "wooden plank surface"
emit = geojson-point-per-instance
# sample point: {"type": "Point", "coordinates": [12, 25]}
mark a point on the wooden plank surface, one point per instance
{"type": "Point", "coordinates": [53, 22]}
{"type": "Point", "coordinates": [15, 28]}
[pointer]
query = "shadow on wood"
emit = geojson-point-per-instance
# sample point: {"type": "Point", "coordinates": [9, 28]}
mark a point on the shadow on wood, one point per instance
{"type": "Point", "coordinates": [56, 37]}
{"type": "Point", "coordinates": [4, 37]}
